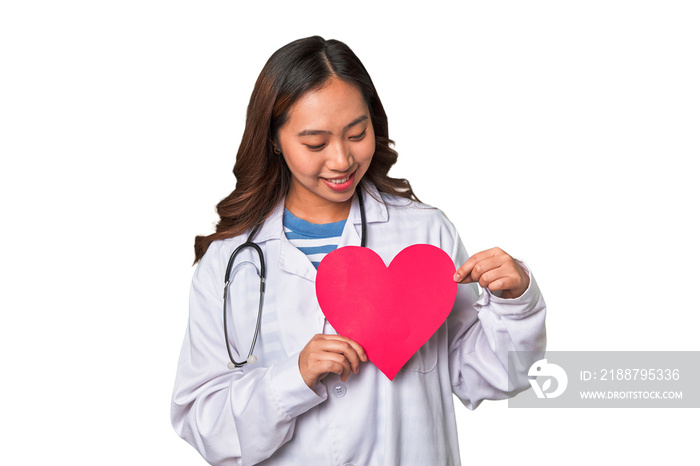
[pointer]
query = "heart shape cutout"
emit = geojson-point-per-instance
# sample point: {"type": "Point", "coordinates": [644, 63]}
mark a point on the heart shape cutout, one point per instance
{"type": "Point", "coordinates": [390, 311]}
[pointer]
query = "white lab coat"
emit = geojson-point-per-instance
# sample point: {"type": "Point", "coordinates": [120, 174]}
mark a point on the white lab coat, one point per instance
{"type": "Point", "coordinates": [264, 412]}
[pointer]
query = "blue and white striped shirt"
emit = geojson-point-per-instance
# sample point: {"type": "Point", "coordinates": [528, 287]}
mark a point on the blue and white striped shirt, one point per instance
{"type": "Point", "coordinates": [314, 240]}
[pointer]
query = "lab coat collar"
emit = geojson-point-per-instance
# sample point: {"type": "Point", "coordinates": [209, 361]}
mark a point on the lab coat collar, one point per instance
{"type": "Point", "coordinates": [375, 211]}
{"type": "Point", "coordinates": [375, 208]}
{"type": "Point", "coordinates": [292, 260]}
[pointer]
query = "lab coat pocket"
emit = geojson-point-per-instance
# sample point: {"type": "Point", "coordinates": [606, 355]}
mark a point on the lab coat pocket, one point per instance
{"type": "Point", "coordinates": [425, 358]}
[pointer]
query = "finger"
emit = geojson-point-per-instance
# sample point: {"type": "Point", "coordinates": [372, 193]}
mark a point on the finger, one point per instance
{"type": "Point", "coordinates": [463, 274]}
{"type": "Point", "coordinates": [503, 283]}
{"type": "Point", "coordinates": [358, 349]}
{"type": "Point", "coordinates": [484, 266]}
{"type": "Point", "coordinates": [505, 278]}
{"type": "Point", "coordinates": [351, 355]}
{"type": "Point", "coordinates": [325, 363]}
{"type": "Point", "coordinates": [326, 354]}
{"type": "Point", "coordinates": [489, 277]}
{"type": "Point", "coordinates": [513, 285]}
{"type": "Point", "coordinates": [340, 348]}
{"type": "Point", "coordinates": [338, 364]}
{"type": "Point", "coordinates": [345, 374]}
{"type": "Point", "coordinates": [316, 366]}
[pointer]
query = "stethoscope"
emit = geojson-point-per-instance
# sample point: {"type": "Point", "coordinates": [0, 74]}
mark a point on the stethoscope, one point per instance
{"type": "Point", "coordinates": [251, 359]}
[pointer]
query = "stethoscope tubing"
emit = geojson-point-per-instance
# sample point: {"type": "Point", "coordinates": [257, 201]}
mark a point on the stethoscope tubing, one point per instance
{"type": "Point", "coordinates": [261, 273]}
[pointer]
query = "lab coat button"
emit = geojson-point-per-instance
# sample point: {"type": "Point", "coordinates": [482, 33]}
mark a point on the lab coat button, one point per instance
{"type": "Point", "coordinates": [340, 390]}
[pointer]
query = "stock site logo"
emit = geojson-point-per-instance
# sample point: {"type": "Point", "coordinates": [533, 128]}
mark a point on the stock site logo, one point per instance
{"type": "Point", "coordinates": [542, 369]}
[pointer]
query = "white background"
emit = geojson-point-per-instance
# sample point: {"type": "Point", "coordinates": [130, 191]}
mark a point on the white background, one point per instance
{"type": "Point", "coordinates": [564, 132]}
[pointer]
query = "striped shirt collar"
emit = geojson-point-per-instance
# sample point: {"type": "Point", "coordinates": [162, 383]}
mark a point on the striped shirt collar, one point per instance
{"type": "Point", "coordinates": [375, 211]}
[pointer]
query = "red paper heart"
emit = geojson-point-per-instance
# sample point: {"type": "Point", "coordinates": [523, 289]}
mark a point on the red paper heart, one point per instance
{"type": "Point", "coordinates": [391, 312]}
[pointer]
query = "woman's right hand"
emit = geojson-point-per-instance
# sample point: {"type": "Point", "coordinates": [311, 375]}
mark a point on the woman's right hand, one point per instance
{"type": "Point", "coordinates": [325, 354]}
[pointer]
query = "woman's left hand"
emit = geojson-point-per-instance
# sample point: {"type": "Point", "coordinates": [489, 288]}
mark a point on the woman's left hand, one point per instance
{"type": "Point", "coordinates": [495, 270]}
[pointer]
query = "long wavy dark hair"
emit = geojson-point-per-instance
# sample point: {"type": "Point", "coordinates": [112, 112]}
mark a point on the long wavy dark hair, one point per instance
{"type": "Point", "coordinates": [262, 177]}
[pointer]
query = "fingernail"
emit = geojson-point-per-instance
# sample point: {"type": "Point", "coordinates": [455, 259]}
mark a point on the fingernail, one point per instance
{"type": "Point", "coordinates": [457, 277]}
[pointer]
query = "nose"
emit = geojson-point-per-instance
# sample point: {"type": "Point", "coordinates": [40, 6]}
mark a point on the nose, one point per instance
{"type": "Point", "coordinates": [340, 158]}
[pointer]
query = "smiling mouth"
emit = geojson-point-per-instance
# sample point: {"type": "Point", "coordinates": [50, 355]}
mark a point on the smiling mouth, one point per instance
{"type": "Point", "coordinates": [339, 180]}
{"type": "Point", "coordinates": [340, 184]}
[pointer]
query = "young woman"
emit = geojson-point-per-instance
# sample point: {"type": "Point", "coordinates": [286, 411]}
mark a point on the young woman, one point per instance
{"type": "Point", "coordinates": [311, 175]}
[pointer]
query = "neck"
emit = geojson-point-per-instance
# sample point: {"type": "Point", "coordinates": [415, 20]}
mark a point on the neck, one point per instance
{"type": "Point", "coordinates": [317, 211]}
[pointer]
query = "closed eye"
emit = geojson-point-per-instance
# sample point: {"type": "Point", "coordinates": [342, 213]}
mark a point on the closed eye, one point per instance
{"type": "Point", "coordinates": [359, 136]}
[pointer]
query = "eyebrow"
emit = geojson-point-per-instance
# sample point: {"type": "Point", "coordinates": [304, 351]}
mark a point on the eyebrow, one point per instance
{"type": "Point", "coordinates": [314, 132]}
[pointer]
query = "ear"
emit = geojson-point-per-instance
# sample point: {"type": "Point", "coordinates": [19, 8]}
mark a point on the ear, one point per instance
{"type": "Point", "coordinates": [276, 146]}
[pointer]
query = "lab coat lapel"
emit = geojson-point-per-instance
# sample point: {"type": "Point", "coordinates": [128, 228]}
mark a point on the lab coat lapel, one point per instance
{"type": "Point", "coordinates": [375, 212]}
{"type": "Point", "coordinates": [291, 282]}
{"type": "Point", "coordinates": [291, 259]}
{"type": "Point", "coordinates": [351, 234]}
{"type": "Point", "coordinates": [296, 305]}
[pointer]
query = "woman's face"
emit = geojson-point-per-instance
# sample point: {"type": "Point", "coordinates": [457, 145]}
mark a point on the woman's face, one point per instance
{"type": "Point", "coordinates": [328, 144]}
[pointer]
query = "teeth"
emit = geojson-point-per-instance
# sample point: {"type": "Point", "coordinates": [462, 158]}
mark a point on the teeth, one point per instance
{"type": "Point", "coordinates": [341, 181]}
